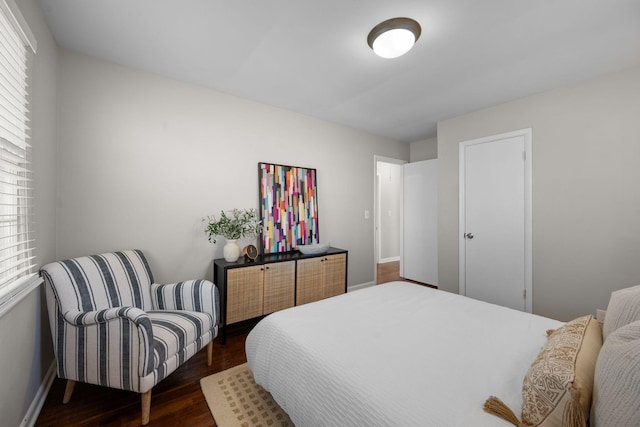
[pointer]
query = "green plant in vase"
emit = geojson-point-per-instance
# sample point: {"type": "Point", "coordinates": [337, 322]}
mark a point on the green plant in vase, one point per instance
{"type": "Point", "coordinates": [233, 225]}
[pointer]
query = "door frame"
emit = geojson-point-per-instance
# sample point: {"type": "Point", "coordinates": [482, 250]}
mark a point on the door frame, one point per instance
{"type": "Point", "coordinates": [376, 214]}
{"type": "Point", "coordinates": [528, 216]}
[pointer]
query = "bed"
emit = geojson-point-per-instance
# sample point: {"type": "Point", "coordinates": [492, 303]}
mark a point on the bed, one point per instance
{"type": "Point", "coordinates": [397, 354]}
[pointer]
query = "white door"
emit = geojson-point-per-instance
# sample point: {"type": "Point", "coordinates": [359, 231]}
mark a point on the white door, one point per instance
{"type": "Point", "coordinates": [495, 219]}
{"type": "Point", "coordinates": [420, 222]}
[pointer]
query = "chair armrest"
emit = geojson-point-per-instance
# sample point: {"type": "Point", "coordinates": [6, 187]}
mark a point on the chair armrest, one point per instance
{"type": "Point", "coordinates": [89, 318]}
{"type": "Point", "coordinates": [193, 295]}
{"type": "Point", "coordinates": [139, 324]}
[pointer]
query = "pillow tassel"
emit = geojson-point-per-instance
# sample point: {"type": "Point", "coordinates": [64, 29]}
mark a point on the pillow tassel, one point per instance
{"type": "Point", "coordinates": [497, 407]}
{"type": "Point", "coordinates": [573, 416]}
{"type": "Point", "coordinates": [550, 331]}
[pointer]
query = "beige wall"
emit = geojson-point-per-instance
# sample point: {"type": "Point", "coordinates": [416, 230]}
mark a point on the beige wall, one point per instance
{"type": "Point", "coordinates": [427, 149]}
{"type": "Point", "coordinates": [25, 343]}
{"type": "Point", "coordinates": [586, 190]}
{"type": "Point", "coordinates": [144, 158]}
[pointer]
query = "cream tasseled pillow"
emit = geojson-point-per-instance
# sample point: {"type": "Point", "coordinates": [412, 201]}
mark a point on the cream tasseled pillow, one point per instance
{"type": "Point", "coordinates": [624, 308]}
{"type": "Point", "coordinates": [557, 389]}
{"type": "Point", "coordinates": [616, 389]}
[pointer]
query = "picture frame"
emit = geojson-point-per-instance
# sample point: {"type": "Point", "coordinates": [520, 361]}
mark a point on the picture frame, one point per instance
{"type": "Point", "coordinates": [288, 207]}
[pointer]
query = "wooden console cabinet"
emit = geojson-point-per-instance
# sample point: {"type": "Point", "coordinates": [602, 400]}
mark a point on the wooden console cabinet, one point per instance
{"type": "Point", "coordinates": [250, 289]}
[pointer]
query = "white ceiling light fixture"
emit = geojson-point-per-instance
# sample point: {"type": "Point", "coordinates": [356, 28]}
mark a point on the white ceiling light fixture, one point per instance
{"type": "Point", "coordinates": [394, 37]}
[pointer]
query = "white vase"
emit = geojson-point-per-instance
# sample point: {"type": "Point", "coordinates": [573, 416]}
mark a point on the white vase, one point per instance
{"type": "Point", "coordinates": [231, 250]}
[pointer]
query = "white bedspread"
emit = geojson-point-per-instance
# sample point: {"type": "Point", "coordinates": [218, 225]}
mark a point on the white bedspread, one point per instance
{"type": "Point", "coordinates": [396, 354]}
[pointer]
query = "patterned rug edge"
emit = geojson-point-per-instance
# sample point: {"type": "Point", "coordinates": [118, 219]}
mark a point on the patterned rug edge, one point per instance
{"type": "Point", "coordinates": [235, 400]}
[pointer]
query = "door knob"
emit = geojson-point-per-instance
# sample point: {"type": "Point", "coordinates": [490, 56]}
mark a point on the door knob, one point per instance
{"type": "Point", "coordinates": [469, 235]}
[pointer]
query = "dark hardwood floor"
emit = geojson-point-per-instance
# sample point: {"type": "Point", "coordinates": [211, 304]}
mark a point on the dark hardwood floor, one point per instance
{"type": "Point", "coordinates": [390, 271]}
{"type": "Point", "coordinates": [175, 401]}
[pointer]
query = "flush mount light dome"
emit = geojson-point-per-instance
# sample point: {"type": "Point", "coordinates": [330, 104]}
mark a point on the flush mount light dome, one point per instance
{"type": "Point", "coordinates": [394, 37]}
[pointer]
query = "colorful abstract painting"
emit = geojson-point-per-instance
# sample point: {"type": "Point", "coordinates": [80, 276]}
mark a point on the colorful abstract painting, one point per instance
{"type": "Point", "coordinates": [288, 207]}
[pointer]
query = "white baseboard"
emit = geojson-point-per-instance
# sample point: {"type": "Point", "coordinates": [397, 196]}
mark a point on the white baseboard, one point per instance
{"type": "Point", "coordinates": [360, 286]}
{"type": "Point", "coordinates": [385, 260]}
{"type": "Point", "coordinates": [31, 416]}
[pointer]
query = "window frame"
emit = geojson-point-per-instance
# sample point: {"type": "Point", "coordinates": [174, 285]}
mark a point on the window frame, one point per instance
{"type": "Point", "coordinates": [15, 163]}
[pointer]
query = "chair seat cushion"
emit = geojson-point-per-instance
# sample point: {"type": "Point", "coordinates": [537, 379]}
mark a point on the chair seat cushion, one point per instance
{"type": "Point", "coordinates": [173, 331]}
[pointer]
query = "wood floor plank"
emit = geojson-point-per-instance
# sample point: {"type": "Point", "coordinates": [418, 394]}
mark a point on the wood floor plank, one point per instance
{"type": "Point", "coordinates": [390, 272]}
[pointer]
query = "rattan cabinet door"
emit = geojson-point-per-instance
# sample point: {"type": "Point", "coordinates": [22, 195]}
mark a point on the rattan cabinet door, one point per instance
{"type": "Point", "coordinates": [335, 271]}
{"type": "Point", "coordinates": [244, 293]}
{"type": "Point", "coordinates": [309, 280]}
{"type": "Point", "coordinates": [279, 286]}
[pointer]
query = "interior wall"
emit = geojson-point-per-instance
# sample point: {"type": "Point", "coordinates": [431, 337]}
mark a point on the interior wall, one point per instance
{"type": "Point", "coordinates": [586, 202]}
{"type": "Point", "coordinates": [144, 158]}
{"type": "Point", "coordinates": [390, 210]}
{"type": "Point", "coordinates": [26, 352]}
{"type": "Point", "coordinates": [426, 149]}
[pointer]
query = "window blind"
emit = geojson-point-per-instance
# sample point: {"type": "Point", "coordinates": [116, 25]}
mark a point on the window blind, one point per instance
{"type": "Point", "coordinates": [17, 246]}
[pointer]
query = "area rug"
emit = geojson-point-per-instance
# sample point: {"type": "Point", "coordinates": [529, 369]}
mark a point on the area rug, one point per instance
{"type": "Point", "coordinates": [235, 400]}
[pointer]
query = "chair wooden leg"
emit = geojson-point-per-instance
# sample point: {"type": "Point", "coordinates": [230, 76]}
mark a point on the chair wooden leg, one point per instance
{"type": "Point", "coordinates": [146, 407]}
{"type": "Point", "coordinates": [210, 353]}
{"type": "Point", "coordinates": [68, 390]}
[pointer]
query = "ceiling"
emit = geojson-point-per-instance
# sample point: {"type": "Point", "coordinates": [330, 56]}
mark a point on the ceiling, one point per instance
{"type": "Point", "coordinates": [312, 57]}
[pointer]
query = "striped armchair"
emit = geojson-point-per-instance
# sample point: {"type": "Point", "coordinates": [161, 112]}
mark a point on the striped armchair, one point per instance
{"type": "Point", "coordinates": [112, 326]}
